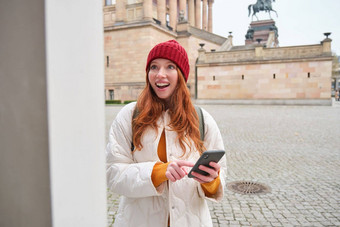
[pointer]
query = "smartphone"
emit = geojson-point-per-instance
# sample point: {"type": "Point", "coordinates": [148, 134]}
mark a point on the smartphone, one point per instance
{"type": "Point", "coordinates": [205, 159]}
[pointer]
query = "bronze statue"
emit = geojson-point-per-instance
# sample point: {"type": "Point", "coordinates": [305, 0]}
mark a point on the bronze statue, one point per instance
{"type": "Point", "coordinates": [261, 5]}
{"type": "Point", "coordinates": [250, 33]}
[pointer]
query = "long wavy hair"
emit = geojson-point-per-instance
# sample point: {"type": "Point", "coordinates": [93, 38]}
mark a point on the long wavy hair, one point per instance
{"type": "Point", "coordinates": [183, 116]}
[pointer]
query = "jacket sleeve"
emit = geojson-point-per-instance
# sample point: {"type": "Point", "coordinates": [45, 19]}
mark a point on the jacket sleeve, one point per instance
{"type": "Point", "coordinates": [124, 175]}
{"type": "Point", "coordinates": [213, 141]}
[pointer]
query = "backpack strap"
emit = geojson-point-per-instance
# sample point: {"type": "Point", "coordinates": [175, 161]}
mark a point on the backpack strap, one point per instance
{"type": "Point", "coordinates": [200, 118]}
{"type": "Point", "coordinates": [201, 121]}
{"type": "Point", "coordinates": [134, 116]}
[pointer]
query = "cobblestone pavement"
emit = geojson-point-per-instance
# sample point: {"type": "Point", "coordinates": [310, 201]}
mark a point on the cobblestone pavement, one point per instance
{"type": "Point", "coordinates": [293, 149]}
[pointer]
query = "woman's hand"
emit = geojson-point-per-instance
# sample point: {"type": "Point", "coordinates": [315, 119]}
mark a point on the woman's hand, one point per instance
{"type": "Point", "coordinates": [177, 170]}
{"type": "Point", "coordinates": [213, 171]}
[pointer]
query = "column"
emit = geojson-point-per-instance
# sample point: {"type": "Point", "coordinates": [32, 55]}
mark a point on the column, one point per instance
{"type": "Point", "coordinates": [74, 67]}
{"type": "Point", "coordinates": [210, 16]}
{"type": "Point", "coordinates": [204, 15]}
{"type": "Point", "coordinates": [120, 10]}
{"type": "Point", "coordinates": [161, 11]}
{"type": "Point", "coordinates": [45, 147]}
{"type": "Point", "coordinates": [183, 7]}
{"type": "Point", "coordinates": [173, 14]}
{"type": "Point", "coordinates": [191, 13]}
{"type": "Point", "coordinates": [198, 14]}
{"type": "Point", "coordinates": [147, 7]}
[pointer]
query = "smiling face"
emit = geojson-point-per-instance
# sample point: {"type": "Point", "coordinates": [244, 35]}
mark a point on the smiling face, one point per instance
{"type": "Point", "coordinates": [163, 78]}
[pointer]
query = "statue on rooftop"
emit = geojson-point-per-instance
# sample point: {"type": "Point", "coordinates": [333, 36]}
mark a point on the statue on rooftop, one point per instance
{"type": "Point", "coordinates": [261, 5]}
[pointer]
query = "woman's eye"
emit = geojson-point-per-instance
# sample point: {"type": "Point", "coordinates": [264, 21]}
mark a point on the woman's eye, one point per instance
{"type": "Point", "coordinates": [171, 67]}
{"type": "Point", "coordinates": [153, 67]}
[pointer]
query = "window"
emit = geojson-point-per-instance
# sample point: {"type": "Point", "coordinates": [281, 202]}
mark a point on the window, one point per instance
{"type": "Point", "coordinates": [111, 94]}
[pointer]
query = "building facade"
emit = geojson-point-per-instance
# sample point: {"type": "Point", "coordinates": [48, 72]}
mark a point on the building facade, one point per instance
{"type": "Point", "coordinates": [274, 74]}
{"type": "Point", "coordinates": [258, 70]}
{"type": "Point", "coordinates": [133, 27]}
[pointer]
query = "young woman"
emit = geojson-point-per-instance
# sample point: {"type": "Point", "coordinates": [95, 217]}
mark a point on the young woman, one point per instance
{"type": "Point", "coordinates": [152, 176]}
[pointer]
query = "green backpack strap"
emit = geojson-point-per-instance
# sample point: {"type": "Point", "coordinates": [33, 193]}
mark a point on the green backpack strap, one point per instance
{"type": "Point", "coordinates": [201, 121]}
{"type": "Point", "coordinates": [200, 118]}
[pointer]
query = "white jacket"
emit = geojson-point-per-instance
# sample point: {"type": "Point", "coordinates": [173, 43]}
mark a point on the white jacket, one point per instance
{"type": "Point", "coordinates": [129, 174]}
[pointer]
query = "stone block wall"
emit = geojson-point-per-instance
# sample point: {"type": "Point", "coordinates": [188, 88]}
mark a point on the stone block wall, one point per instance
{"type": "Point", "coordinates": [296, 72]}
{"type": "Point", "coordinates": [126, 51]}
{"type": "Point", "coordinates": [273, 80]}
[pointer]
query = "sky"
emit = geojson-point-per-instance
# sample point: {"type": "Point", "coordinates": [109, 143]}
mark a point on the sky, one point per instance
{"type": "Point", "coordinates": [299, 22]}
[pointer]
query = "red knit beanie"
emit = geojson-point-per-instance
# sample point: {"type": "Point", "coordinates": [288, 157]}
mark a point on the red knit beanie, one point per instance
{"type": "Point", "coordinates": [172, 51]}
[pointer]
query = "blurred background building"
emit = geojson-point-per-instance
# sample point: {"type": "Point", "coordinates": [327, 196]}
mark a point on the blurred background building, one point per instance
{"type": "Point", "coordinates": [259, 70]}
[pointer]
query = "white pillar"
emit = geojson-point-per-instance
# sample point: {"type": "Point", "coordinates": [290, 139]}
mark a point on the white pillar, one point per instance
{"type": "Point", "coordinates": [210, 16]}
{"type": "Point", "coordinates": [147, 7]}
{"type": "Point", "coordinates": [161, 9]}
{"type": "Point", "coordinates": [173, 14]}
{"type": "Point", "coordinates": [198, 14]}
{"type": "Point", "coordinates": [75, 78]}
{"type": "Point", "coordinates": [191, 13]}
{"type": "Point", "coordinates": [183, 7]}
{"type": "Point", "coordinates": [204, 15]}
{"type": "Point", "coordinates": [52, 165]}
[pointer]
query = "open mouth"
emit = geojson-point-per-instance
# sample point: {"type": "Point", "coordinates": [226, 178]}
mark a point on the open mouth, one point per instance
{"type": "Point", "coordinates": [162, 85]}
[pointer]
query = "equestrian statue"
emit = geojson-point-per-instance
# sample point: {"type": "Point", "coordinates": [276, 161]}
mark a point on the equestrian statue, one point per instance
{"type": "Point", "coordinates": [261, 5]}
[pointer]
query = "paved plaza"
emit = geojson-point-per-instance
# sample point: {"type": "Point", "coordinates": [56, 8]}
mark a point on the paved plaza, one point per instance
{"type": "Point", "coordinates": [295, 150]}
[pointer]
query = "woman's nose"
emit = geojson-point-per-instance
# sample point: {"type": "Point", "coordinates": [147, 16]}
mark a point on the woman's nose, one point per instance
{"type": "Point", "coordinates": [161, 72]}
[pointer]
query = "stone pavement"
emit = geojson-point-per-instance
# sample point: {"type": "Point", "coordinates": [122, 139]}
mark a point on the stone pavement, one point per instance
{"type": "Point", "coordinates": [293, 149]}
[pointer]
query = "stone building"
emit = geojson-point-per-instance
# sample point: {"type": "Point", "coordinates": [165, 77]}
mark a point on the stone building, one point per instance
{"type": "Point", "coordinates": [133, 27]}
{"type": "Point", "coordinates": [263, 73]}
{"type": "Point", "coordinates": [258, 72]}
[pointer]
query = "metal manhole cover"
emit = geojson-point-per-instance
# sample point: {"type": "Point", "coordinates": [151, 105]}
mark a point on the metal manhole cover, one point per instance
{"type": "Point", "coordinates": [248, 187]}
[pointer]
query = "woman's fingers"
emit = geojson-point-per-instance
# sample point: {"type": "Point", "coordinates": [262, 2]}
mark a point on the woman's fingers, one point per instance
{"type": "Point", "coordinates": [182, 163]}
{"type": "Point", "coordinates": [212, 171]}
{"type": "Point", "coordinates": [176, 170]}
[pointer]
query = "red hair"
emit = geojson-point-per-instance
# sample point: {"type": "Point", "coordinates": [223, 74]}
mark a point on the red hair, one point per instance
{"type": "Point", "coordinates": [183, 116]}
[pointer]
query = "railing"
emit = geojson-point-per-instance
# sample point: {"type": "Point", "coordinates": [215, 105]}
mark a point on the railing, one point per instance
{"type": "Point", "coordinates": [281, 53]}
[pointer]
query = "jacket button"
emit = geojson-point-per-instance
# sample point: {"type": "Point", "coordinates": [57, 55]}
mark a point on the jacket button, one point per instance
{"type": "Point", "coordinates": [173, 207]}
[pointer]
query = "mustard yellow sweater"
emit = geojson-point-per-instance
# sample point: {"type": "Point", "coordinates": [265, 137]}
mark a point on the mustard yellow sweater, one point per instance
{"type": "Point", "coordinates": [158, 172]}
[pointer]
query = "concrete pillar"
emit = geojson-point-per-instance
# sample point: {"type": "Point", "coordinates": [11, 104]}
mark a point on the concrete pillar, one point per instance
{"type": "Point", "coordinates": [120, 11]}
{"type": "Point", "coordinates": [183, 7]}
{"type": "Point", "coordinates": [191, 13]}
{"type": "Point", "coordinates": [204, 15]}
{"type": "Point", "coordinates": [173, 14]}
{"type": "Point", "coordinates": [198, 22]}
{"type": "Point", "coordinates": [51, 173]}
{"type": "Point", "coordinates": [210, 16]}
{"type": "Point", "coordinates": [147, 7]}
{"type": "Point", "coordinates": [161, 10]}
{"type": "Point", "coordinates": [25, 193]}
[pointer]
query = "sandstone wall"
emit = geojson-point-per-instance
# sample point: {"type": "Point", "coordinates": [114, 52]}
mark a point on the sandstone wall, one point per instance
{"type": "Point", "coordinates": [126, 51]}
{"type": "Point", "coordinates": [294, 80]}
{"type": "Point", "coordinates": [301, 72]}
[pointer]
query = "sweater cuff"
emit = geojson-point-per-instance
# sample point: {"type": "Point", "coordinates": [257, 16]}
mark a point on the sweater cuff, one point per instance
{"type": "Point", "coordinates": [211, 188]}
{"type": "Point", "coordinates": [158, 173]}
